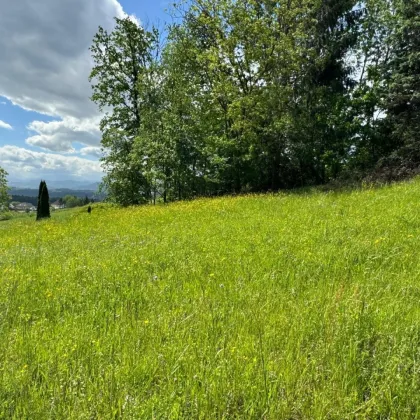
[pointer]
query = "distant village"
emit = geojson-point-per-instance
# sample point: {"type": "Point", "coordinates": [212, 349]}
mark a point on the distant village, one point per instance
{"type": "Point", "coordinates": [26, 204]}
{"type": "Point", "coordinates": [25, 200]}
{"type": "Point", "coordinates": [29, 207]}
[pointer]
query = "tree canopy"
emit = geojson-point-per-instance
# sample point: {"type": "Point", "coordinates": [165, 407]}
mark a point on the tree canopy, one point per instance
{"type": "Point", "coordinates": [257, 95]}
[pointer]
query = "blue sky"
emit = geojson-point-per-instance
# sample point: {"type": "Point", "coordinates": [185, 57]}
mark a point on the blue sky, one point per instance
{"type": "Point", "coordinates": [48, 125]}
{"type": "Point", "coordinates": [148, 11]}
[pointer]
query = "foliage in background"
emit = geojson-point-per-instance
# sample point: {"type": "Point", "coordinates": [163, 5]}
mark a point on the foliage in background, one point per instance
{"type": "Point", "coordinates": [257, 96]}
{"type": "Point", "coordinates": [4, 190]}
{"type": "Point", "coordinates": [71, 201]}
{"type": "Point", "coordinates": [402, 96]}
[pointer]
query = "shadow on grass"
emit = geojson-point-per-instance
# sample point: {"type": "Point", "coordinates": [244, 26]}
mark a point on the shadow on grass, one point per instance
{"type": "Point", "coordinates": [346, 187]}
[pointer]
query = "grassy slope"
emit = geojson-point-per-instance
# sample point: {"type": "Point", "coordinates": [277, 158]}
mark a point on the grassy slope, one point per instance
{"type": "Point", "coordinates": [284, 306]}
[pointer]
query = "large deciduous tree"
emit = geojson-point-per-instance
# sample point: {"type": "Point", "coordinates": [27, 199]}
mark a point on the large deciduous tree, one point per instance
{"type": "Point", "coordinates": [277, 77]}
{"type": "Point", "coordinates": [122, 62]}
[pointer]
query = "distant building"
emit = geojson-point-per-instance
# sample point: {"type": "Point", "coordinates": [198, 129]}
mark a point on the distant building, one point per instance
{"type": "Point", "coordinates": [58, 205]}
{"type": "Point", "coordinates": [22, 207]}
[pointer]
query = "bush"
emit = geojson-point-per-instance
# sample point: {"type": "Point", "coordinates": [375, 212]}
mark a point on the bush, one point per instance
{"type": "Point", "coordinates": [6, 216]}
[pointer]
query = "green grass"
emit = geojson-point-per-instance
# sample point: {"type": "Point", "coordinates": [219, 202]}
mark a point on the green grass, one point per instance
{"type": "Point", "coordinates": [281, 306]}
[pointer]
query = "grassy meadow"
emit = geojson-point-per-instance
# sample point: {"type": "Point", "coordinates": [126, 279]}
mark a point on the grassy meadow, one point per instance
{"type": "Point", "coordinates": [283, 306]}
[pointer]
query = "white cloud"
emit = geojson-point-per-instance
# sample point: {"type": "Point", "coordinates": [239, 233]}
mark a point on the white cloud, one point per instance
{"type": "Point", "coordinates": [45, 63]}
{"type": "Point", "coordinates": [21, 163]}
{"type": "Point", "coordinates": [135, 19]}
{"type": "Point", "coordinates": [91, 151]}
{"type": "Point", "coordinates": [5, 125]}
{"type": "Point", "coordinates": [58, 136]}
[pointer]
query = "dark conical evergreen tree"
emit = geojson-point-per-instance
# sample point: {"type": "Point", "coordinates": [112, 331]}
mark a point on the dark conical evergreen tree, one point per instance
{"type": "Point", "coordinates": [43, 210]}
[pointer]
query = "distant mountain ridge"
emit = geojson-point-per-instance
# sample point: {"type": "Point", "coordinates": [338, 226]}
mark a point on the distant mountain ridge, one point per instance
{"type": "Point", "coordinates": [53, 185]}
{"type": "Point", "coordinates": [57, 193]}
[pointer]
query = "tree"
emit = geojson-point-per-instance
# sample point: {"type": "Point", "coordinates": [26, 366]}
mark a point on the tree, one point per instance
{"type": "Point", "coordinates": [402, 94]}
{"type": "Point", "coordinates": [386, 99]}
{"type": "Point", "coordinates": [257, 95]}
{"type": "Point", "coordinates": [371, 140]}
{"type": "Point", "coordinates": [122, 60]}
{"type": "Point", "coordinates": [4, 196]}
{"type": "Point", "coordinates": [43, 209]}
{"type": "Point", "coordinates": [170, 142]}
{"type": "Point", "coordinates": [72, 201]}
{"type": "Point", "coordinates": [324, 119]}
{"type": "Point", "coordinates": [276, 77]}
{"type": "Point", "coordinates": [241, 55]}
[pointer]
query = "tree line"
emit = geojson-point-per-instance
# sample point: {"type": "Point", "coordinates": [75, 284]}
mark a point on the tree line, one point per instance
{"type": "Point", "coordinates": [258, 95]}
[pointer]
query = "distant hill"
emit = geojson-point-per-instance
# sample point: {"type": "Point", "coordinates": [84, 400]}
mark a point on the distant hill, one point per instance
{"type": "Point", "coordinates": [85, 185]}
{"type": "Point", "coordinates": [73, 185]}
{"type": "Point", "coordinates": [57, 193]}
{"type": "Point", "coordinates": [30, 199]}
{"type": "Point", "coordinates": [94, 186]}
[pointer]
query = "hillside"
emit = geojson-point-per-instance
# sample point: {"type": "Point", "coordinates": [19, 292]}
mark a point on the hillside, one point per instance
{"type": "Point", "coordinates": [294, 306]}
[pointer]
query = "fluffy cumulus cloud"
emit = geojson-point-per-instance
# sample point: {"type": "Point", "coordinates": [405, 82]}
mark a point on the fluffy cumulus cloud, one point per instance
{"type": "Point", "coordinates": [45, 59]}
{"type": "Point", "coordinates": [59, 136]}
{"type": "Point", "coordinates": [91, 151]}
{"type": "Point", "coordinates": [5, 125]}
{"type": "Point", "coordinates": [26, 164]}
{"type": "Point", "coordinates": [44, 67]}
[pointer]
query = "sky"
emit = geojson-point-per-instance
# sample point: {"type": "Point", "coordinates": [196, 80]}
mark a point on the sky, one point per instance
{"type": "Point", "coordinates": [48, 124]}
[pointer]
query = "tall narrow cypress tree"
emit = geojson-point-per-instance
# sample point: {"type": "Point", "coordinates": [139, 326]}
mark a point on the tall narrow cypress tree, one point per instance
{"type": "Point", "coordinates": [43, 210]}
